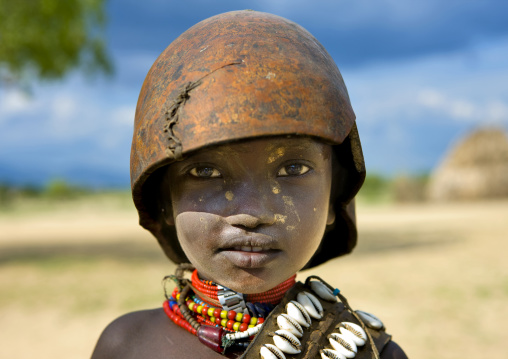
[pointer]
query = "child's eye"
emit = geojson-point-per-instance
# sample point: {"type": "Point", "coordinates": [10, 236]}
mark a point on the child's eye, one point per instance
{"type": "Point", "coordinates": [205, 172]}
{"type": "Point", "coordinates": [295, 169]}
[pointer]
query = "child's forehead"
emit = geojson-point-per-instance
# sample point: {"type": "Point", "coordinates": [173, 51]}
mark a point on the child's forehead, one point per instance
{"type": "Point", "coordinates": [265, 145]}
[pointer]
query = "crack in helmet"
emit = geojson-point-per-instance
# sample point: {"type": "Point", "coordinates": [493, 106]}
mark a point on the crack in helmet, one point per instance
{"type": "Point", "coordinates": [240, 75]}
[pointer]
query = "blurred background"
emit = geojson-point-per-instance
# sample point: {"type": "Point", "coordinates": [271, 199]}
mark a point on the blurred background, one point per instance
{"type": "Point", "coordinates": [429, 85]}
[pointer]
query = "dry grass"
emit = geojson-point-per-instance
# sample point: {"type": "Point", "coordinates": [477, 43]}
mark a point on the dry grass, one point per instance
{"type": "Point", "coordinates": [435, 274]}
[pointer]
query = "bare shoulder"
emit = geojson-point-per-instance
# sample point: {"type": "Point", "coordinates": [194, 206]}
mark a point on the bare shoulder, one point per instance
{"type": "Point", "coordinates": [124, 335]}
{"type": "Point", "coordinates": [148, 334]}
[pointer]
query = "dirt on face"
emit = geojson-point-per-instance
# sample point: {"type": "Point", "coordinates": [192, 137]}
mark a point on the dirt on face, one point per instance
{"type": "Point", "coordinates": [230, 223]}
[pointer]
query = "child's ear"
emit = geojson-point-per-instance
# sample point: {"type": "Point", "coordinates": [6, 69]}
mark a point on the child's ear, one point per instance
{"type": "Point", "coordinates": [331, 215]}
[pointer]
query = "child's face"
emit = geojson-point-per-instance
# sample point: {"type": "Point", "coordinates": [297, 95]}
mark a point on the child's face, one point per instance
{"type": "Point", "coordinates": [251, 214]}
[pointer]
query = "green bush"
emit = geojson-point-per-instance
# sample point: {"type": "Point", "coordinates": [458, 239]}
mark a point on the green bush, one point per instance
{"type": "Point", "coordinates": [401, 188]}
{"type": "Point", "coordinates": [60, 190]}
{"type": "Point", "coordinates": [375, 188]}
{"type": "Point", "coordinates": [6, 195]}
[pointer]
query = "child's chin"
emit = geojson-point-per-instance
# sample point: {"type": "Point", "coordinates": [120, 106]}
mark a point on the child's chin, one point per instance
{"type": "Point", "coordinates": [252, 288]}
{"type": "Point", "coordinates": [254, 281]}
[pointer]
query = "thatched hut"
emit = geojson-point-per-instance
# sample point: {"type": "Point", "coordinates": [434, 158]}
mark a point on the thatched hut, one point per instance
{"type": "Point", "coordinates": [476, 168]}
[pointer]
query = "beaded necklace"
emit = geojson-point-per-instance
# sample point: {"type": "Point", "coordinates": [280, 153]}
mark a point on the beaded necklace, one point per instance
{"type": "Point", "coordinates": [273, 296]}
{"type": "Point", "coordinates": [196, 306]}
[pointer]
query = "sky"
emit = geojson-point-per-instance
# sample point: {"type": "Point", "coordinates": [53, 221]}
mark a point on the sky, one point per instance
{"type": "Point", "coordinates": [420, 75]}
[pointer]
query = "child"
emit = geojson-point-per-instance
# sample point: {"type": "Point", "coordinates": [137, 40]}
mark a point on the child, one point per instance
{"type": "Point", "coordinates": [245, 162]}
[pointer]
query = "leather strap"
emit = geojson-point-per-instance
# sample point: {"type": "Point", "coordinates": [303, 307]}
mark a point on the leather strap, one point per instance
{"type": "Point", "coordinates": [314, 337]}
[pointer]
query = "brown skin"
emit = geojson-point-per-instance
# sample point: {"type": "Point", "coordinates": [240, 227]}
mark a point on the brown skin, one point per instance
{"type": "Point", "coordinates": [149, 334]}
{"type": "Point", "coordinates": [249, 215]}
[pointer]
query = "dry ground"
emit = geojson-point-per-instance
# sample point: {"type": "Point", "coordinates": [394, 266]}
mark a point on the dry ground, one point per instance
{"type": "Point", "coordinates": [435, 274]}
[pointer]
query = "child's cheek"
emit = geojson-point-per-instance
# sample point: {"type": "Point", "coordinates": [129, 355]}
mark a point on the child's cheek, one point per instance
{"type": "Point", "coordinates": [194, 228]}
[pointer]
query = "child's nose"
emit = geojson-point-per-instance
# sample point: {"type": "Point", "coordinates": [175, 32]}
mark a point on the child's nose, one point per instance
{"type": "Point", "coordinates": [244, 220]}
{"type": "Point", "coordinates": [251, 205]}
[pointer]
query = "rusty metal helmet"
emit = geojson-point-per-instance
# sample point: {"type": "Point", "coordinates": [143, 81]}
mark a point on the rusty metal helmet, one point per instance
{"type": "Point", "coordinates": [240, 75]}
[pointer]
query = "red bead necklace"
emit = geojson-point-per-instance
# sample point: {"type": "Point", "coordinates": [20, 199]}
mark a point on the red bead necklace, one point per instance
{"type": "Point", "coordinates": [272, 296]}
{"type": "Point", "coordinates": [210, 323]}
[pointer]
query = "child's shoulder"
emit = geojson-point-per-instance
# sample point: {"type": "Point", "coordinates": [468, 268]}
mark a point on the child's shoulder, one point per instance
{"type": "Point", "coordinates": [127, 334]}
{"type": "Point", "coordinates": [147, 334]}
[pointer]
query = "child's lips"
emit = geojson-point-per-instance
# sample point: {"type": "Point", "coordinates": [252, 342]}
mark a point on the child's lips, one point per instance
{"type": "Point", "coordinates": [240, 240]}
{"type": "Point", "coordinates": [248, 249]}
{"type": "Point", "coordinates": [250, 257]}
{"type": "Point", "coordinates": [252, 251]}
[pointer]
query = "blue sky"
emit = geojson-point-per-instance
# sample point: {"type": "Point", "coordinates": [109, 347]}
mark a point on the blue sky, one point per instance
{"type": "Point", "coordinates": [420, 74]}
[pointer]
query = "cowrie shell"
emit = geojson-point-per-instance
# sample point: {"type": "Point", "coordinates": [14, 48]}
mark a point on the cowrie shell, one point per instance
{"type": "Point", "coordinates": [270, 351]}
{"type": "Point", "coordinates": [298, 313]}
{"type": "Point", "coordinates": [370, 319]}
{"type": "Point", "coordinates": [343, 345]}
{"type": "Point", "coordinates": [356, 333]}
{"type": "Point", "coordinates": [346, 342]}
{"type": "Point", "coordinates": [287, 342]}
{"type": "Point", "coordinates": [350, 335]}
{"type": "Point", "coordinates": [286, 322]}
{"type": "Point", "coordinates": [331, 354]}
{"type": "Point", "coordinates": [322, 291]}
{"type": "Point", "coordinates": [311, 304]}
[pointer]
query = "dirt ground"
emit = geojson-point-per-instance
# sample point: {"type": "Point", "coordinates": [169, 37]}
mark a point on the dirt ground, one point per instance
{"type": "Point", "coordinates": [437, 276]}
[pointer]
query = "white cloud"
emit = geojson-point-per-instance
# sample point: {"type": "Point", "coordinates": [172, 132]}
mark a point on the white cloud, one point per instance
{"type": "Point", "coordinates": [408, 113]}
{"type": "Point", "coordinates": [56, 115]}
{"type": "Point", "coordinates": [446, 87]}
{"type": "Point", "coordinates": [467, 110]}
{"type": "Point", "coordinates": [497, 112]}
{"type": "Point", "coordinates": [63, 108]}
{"type": "Point", "coordinates": [123, 115]}
{"type": "Point", "coordinates": [13, 102]}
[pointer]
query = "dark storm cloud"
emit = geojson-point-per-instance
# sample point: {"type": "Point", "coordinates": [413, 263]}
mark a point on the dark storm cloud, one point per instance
{"type": "Point", "coordinates": [354, 32]}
